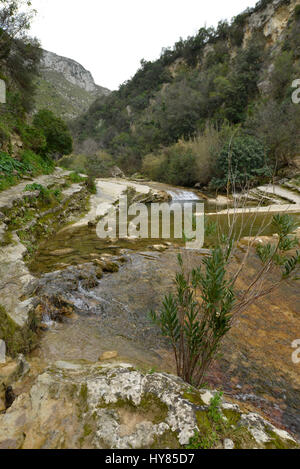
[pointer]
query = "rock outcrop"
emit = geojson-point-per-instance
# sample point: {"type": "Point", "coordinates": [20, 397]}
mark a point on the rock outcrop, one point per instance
{"type": "Point", "coordinates": [272, 20]}
{"type": "Point", "coordinates": [111, 405]}
{"type": "Point", "coordinates": [71, 70]}
{"type": "Point", "coordinates": [65, 86]}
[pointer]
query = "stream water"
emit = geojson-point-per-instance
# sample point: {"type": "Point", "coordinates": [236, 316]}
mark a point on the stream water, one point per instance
{"type": "Point", "coordinates": [114, 315]}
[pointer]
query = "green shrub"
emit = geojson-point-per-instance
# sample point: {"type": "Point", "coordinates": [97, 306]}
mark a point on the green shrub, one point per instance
{"type": "Point", "coordinates": [187, 162]}
{"type": "Point", "coordinates": [76, 178]}
{"type": "Point", "coordinates": [4, 136]}
{"type": "Point", "coordinates": [277, 126]}
{"type": "Point", "coordinates": [37, 164]}
{"type": "Point", "coordinates": [47, 195]}
{"type": "Point", "coordinates": [282, 75]}
{"type": "Point", "coordinates": [297, 12]}
{"type": "Point", "coordinates": [58, 138]}
{"type": "Point", "coordinates": [96, 166]}
{"type": "Point", "coordinates": [240, 163]}
{"type": "Point", "coordinates": [200, 313]}
{"type": "Point", "coordinates": [34, 139]}
{"type": "Point", "coordinates": [152, 166]}
{"type": "Point", "coordinates": [91, 185]}
{"type": "Point", "coordinates": [73, 162]}
{"type": "Point", "coordinates": [12, 169]}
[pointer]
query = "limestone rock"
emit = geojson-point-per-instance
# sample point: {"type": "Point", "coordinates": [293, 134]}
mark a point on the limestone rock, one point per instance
{"type": "Point", "coordinates": [71, 70]}
{"type": "Point", "coordinates": [73, 405]}
{"type": "Point", "coordinates": [159, 247]}
{"type": "Point", "coordinates": [2, 352]}
{"type": "Point", "coordinates": [117, 172]}
{"type": "Point", "coordinates": [23, 366]}
{"type": "Point", "coordinates": [108, 355]}
{"type": "Point", "coordinates": [228, 444]}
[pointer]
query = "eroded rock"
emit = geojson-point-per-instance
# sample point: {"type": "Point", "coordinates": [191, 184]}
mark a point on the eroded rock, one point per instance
{"type": "Point", "coordinates": [2, 352]}
{"type": "Point", "coordinates": [108, 355]}
{"type": "Point", "coordinates": [73, 405]}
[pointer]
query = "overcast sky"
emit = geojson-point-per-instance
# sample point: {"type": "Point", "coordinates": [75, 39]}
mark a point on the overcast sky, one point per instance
{"type": "Point", "coordinates": [110, 37]}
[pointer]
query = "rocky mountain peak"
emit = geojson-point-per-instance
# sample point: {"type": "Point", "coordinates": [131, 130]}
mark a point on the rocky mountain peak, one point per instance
{"type": "Point", "coordinates": [74, 72]}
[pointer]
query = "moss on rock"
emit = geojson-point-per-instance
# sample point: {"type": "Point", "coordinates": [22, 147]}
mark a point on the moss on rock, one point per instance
{"type": "Point", "coordinates": [18, 339]}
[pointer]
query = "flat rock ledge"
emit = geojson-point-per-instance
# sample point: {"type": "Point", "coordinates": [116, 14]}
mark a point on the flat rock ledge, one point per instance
{"type": "Point", "coordinates": [16, 303]}
{"type": "Point", "coordinates": [75, 405]}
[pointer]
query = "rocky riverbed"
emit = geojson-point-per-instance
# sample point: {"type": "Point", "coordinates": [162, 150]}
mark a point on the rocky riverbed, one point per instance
{"type": "Point", "coordinates": [91, 300]}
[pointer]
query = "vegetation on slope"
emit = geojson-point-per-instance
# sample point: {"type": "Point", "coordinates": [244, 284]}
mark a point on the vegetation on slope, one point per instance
{"type": "Point", "coordinates": [239, 87]}
{"type": "Point", "coordinates": [63, 98]}
{"type": "Point", "coordinates": [25, 149]}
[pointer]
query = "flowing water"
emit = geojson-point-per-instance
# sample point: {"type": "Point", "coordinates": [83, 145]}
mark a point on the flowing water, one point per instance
{"type": "Point", "coordinates": [114, 314]}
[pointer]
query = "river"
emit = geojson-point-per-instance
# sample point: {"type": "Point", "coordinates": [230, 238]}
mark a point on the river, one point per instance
{"type": "Point", "coordinates": [255, 365]}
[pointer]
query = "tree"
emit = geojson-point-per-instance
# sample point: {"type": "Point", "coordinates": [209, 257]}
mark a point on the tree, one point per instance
{"type": "Point", "coordinates": [19, 53]}
{"type": "Point", "coordinates": [58, 138]}
{"type": "Point", "coordinates": [277, 126]}
{"type": "Point", "coordinates": [14, 24]}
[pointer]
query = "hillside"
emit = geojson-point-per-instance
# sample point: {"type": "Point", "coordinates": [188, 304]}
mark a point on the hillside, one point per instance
{"type": "Point", "coordinates": [65, 87]}
{"type": "Point", "coordinates": [173, 119]}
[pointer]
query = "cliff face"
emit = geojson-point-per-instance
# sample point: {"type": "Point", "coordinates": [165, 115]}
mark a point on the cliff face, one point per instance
{"type": "Point", "coordinates": [71, 70]}
{"type": "Point", "coordinates": [65, 86]}
{"type": "Point", "coordinates": [272, 20]}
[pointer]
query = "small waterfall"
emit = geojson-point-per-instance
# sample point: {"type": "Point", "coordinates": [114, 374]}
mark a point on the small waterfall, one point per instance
{"type": "Point", "coordinates": [46, 319]}
{"type": "Point", "coordinates": [182, 195]}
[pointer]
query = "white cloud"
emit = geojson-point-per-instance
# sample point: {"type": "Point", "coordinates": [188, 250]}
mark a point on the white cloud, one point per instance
{"type": "Point", "coordinates": [110, 37]}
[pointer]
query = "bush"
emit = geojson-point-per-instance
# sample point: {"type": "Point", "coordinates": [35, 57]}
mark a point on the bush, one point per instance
{"type": "Point", "coordinates": [91, 185]}
{"type": "Point", "coordinates": [99, 165]}
{"type": "Point", "coordinates": [297, 12]}
{"type": "Point", "coordinates": [96, 166]}
{"type": "Point", "coordinates": [4, 137]}
{"type": "Point", "coordinates": [34, 139]}
{"type": "Point", "coordinates": [175, 165]}
{"type": "Point", "coordinates": [240, 163]}
{"type": "Point", "coordinates": [282, 75]}
{"type": "Point", "coordinates": [37, 164]}
{"type": "Point", "coordinates": [76, 178]}
{"type": "Point", "coordinates": [58, 138]}
{"type": "Point", "coordinates": [277, 125]}
{"type": "Point", "coordinates": [186, 162]}
{"type": "Point", "coordinates": [11, 169]}
{"type": "Point", "coordinates": [48, 196]}
{"type": "Point", "coordinates": [196, 318]}
{"type": "Point", "coordinates": [152, 166]}
{"type": "Point", "coordinates": [75, 163]}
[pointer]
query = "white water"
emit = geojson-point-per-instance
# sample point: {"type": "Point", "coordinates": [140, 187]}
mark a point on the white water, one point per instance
{"type": "Point", "coordinates": [180, 194]}
{"type": "Point", "coordinates": [89, 294]}
{"type": "Point", "coordinates": [47, 320]}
